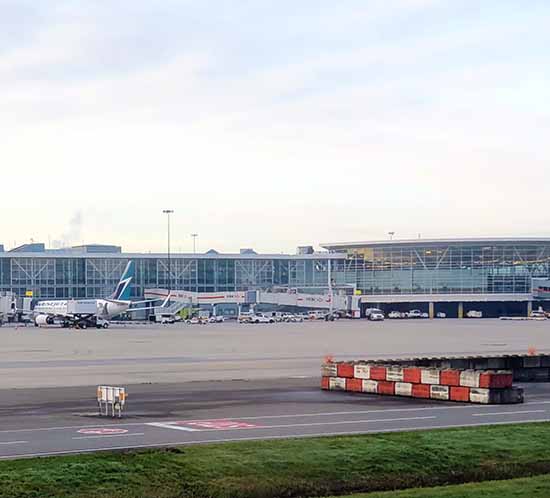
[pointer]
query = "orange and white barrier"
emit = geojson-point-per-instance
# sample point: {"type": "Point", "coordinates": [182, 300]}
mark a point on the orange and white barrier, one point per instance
{"type": "Point", "coordinates": [470, 386]}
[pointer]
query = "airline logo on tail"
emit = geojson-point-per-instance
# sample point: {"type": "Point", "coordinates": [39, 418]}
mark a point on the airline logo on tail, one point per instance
{"type": "Point", "coordinates": [122, 291]}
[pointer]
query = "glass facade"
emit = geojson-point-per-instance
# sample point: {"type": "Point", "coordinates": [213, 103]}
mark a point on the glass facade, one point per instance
{"type": "Point", "coordinates": [435, 267]}
{"type": "Point", "coordinates": [444, 267]}
{"type": "Point", "coordinates": [92, 276]}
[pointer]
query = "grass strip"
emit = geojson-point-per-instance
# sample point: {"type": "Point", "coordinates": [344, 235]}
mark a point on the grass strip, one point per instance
{"type": "Point", "coordinates": [291, 467]}
{"type": "Point", "coordinates": [532, 487]}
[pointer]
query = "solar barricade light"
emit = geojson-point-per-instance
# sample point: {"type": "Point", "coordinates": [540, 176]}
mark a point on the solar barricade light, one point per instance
{"type": "Point", "coordinates": [111, 399]}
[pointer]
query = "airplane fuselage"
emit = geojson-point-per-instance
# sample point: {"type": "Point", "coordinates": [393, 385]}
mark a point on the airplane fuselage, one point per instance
{"type": "Point", "coordinates": [101, 308]}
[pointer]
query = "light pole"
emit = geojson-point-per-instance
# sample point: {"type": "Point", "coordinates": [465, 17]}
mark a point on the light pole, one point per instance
{"type": "Point", "coordinates": [391, 234]}
{"type": "Point", "coordinates": [168, 212]}
{"type": "Point", "coordinates": [194, 235]}
{"type": "Point", "coordinates": [330, 292]}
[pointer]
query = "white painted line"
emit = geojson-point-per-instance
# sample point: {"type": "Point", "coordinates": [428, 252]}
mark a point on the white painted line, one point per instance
{"type": "Point", "coordinates": [62, 428]}
{"type": "Point", "coordinates": [506, 413]}
{"type": "Point", "coordinates": [259, 417]}
{"type": "Point", "coordinates": [170, 426]}
{"type": "Point", "coordinates": [109, 435]}
{"type": "Point", "coordinates": [310, 424]}
{"type": "Point", "coordinates": [356, 412]}
{"type": "Point", "coordinates": [14, 442]}
{"type": "Point", "coordinates": [256, 438]}
{"type": "Point", "coordinates": [331, 414]}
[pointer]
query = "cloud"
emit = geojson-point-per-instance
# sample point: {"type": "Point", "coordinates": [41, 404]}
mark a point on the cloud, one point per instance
{"type": "Point", "coordinates": [273, 111]}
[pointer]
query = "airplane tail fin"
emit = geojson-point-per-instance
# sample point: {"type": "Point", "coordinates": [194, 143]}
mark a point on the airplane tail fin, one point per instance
{"type": "Point", "coordinates": [122, 291]}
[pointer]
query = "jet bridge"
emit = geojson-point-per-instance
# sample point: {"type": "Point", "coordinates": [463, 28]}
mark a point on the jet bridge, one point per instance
{"type": "Point", "coordinates": [290, 298]}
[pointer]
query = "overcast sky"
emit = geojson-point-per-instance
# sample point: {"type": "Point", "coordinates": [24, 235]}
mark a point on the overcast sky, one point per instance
{"type": "Point", "coordinates": [272, 124]}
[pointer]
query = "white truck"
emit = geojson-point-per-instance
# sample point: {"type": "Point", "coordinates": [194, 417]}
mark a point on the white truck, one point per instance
{"type": "Point", "coordinates": [474, 314]}
{"type": "Point", "coordinates": [165, 318]}
{"type": "Point", "coordinates": [374, 313]}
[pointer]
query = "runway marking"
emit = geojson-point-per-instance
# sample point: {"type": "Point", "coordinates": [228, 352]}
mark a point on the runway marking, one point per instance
{"type": "Point", "coordinates": [356, 412]}
{"type": "Point", "coordinates": [221, 424]}
{"type": "Point", "coordinates": [110, 435]}
{"type": "Point", "coordinates": [207, 424]}
{"type": "Point", "coordinates": [62, 428]}
{"type": "Point", "coordinates": [14, 442]}
{"type": "Point", "coordinates": [506, 413]}
{"type": "Point", "coordinates": [256, 438]}
{"type": "Point", "coordinates": [103, 431]}
{"type": "Point", "coordinates": [169, 425]}
{"type": "Point", "coordinates": [342, 422]}
{"type": "Point", "coordinates": [224, 425]}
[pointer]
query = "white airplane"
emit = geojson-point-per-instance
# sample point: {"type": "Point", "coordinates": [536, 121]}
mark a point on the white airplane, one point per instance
{"type": "Point", "coordinates": [83, 313]}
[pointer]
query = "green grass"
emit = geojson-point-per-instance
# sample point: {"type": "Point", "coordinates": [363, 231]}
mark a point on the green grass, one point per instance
{"type": "Point", "coordinates": [290, 468]}
{"type": "Point", "coordinates": [528, 487]}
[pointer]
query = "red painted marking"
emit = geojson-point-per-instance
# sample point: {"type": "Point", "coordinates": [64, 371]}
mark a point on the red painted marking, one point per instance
{"type": "Point", "coordinates": [219, 424]}
{"type": "Point", "coordinates": [103, 431]}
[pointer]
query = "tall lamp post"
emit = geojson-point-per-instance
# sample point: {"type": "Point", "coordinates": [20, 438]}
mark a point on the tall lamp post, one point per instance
{"type": "Point", "coordinates": [194, 235]}
{"type": "Point", "coordinates": [391, 234]}
{"type": "Point", "coordinates": [168, 212]}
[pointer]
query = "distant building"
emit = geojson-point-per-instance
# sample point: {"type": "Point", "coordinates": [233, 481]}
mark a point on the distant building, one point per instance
{"type": "Point", "coordinates": [452, 275]}
{"type": "Point", "coordinates": [448, 271]}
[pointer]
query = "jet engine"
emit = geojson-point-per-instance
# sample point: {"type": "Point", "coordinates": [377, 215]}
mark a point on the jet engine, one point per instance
{"type": "Point", "coordinates": [44, 320]}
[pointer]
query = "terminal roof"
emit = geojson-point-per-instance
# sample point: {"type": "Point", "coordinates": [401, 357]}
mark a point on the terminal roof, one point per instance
{"type": "Point", "coordinates": [447, 241]}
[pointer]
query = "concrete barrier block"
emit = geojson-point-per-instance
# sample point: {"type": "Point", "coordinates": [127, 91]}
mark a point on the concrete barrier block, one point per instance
{"type": "Point", "coordinates": [445, 364]}
{"type": "Point", "coordinates": [439, 392]}
{"type": "Point", "coordinates": [540, 374]}
{"type": "Point", "coordinates": [385, 387]}
{"type": "Point", "coordinates": [496, 363]}
{"type": "Point", "coordinates": [469, 378]}
{"type": "Point", "coordinates": [345, 369]}
{"type": "Point", "coordinates": [337, 384]}
{"type": "Point", "coordinates": [531, 361]}
{"type": "Point", "coordinates": [411, 374]}
{"type": "Point", "coordinates": [459, 393]}
{"type": "Point", "coordinates": [484, 396]}
{"type": "Point", "coordinates": [450, 377]}
{"type": "Point", "coordinates": [523, 374]}
{"type": "Point", "coordinates": [459, 363]}
{"type": "Point", "coordinates": [394, 373]}
{"type": "Point", "coordinates": [481, 364]}
{"type": "Point", "coordinates": [370, 386]}
{"type": "Point", "coordinates": [495, 379]}
{"type": "Point", "coordinates": [403, 389]}
{"type": "Point", "coordinates": [512, 395]}
{"type": "Point", "coordinates": [421, 391]}
{"type": "Point", "coordinates": [429, 376]}
{"type": "Point", "coordinates": [354, 385]}
{"type": "Point", "coordinates": [329, 370]}
{"type": "Point", "coordinates": [378, 372]}
{"type": "Point", "coordinates": [362, 371]}
{"type": "Point", "coordinates": [513, 362]}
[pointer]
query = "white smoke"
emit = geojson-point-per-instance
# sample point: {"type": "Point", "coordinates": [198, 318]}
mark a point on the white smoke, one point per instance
{"type": "Point", "coordinates": [71, 236]}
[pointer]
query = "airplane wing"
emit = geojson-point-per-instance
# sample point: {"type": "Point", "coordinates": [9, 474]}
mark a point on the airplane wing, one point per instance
{"type": "Point", "coordinates": [163, 305]}
{"type": "Point", "coordinates": [138, 309]}
{"type": "Point", "coordinates": [147, 301]}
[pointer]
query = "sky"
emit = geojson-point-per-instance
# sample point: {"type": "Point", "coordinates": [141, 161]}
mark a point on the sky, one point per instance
{"type": "Point", "coordinates": [272, 124]}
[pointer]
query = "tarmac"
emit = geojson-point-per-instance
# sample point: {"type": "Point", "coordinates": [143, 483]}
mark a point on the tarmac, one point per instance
{"type": "Point", "coordinates": [226, 382]}
{"type": "Point", "coordinates": [134, 354]}
{"type": "Point", "coordinates": [214, 412]}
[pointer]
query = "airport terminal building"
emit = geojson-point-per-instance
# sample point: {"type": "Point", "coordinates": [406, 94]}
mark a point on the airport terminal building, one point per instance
{"type": "Point", "coordinates": [498, 275]}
